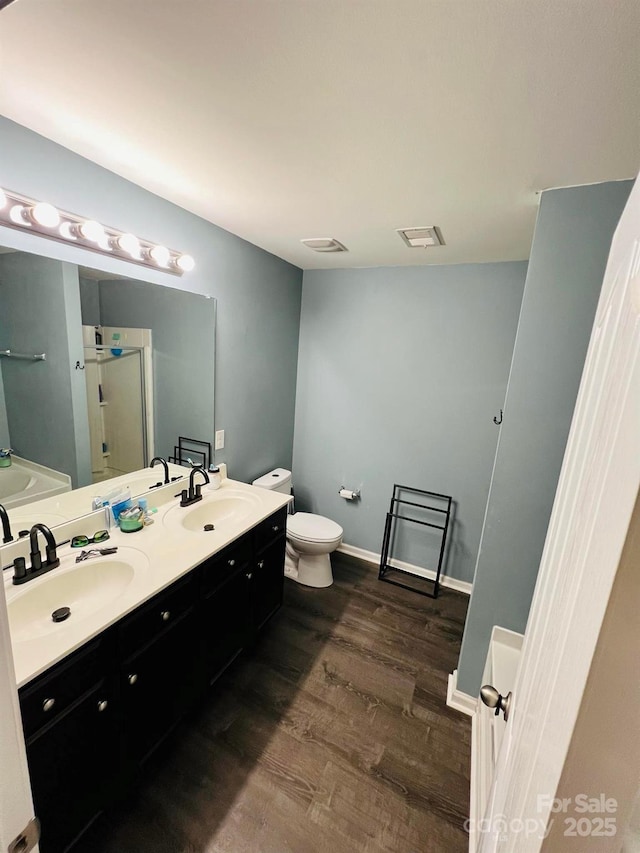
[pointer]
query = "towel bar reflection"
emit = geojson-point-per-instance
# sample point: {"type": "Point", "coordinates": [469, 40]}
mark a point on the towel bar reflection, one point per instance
{"type": "Point", "coordinates": [9, 353]}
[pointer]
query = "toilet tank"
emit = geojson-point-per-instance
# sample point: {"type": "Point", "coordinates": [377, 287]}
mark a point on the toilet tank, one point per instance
{"type": "Point", "coordinates": [279, 480]}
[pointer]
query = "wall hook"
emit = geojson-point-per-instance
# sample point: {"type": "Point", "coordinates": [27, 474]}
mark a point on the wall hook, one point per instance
{"type": "Point", "coordinates": [496, 421]}
{"type": "Point", "coordinates": [78, 367]}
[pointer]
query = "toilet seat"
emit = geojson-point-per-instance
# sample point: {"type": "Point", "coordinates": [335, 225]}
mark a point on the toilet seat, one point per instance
{"type": "Point", "coordinates": [308, 527]}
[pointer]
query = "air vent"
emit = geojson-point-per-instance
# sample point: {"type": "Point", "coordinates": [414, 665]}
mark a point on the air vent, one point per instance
{"type": "Point", "coordinates": [324, 244]}
{"type": "Point", "coordinates": [421, 238]}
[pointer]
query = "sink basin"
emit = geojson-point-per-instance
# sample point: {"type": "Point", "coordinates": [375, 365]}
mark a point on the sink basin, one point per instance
{"type": "Point", "coordinates": [220, 510]}
{"type": "Point", "coordinates": [85, 588]}
{"type": "Point", "coordinates": [25, 521]}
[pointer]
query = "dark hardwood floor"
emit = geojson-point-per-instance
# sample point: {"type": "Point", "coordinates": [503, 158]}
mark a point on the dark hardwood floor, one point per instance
{"type": "Point", "coordinates": [332, 736]}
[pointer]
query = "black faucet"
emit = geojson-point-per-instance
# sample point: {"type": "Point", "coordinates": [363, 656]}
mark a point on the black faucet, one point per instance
{"type": "Point", "coordinates": [164, 465]}
{"type": "Point", "coordinates": [22, 573]}
{"type": "Point", "coordinates": [195, 491]}
{"type": "Point", "coordinates": [6, 527]}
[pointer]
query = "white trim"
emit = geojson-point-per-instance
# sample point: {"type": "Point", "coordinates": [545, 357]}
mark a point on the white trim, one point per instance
{"type": "Point", "coordinates": [429, 574]}
{"type": "Point", "coordinates": [482, 769]}
{"type": "Point", "coordinates": [458, 700]}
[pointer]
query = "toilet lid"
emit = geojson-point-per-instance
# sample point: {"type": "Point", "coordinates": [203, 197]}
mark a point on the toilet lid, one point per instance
{"type": "Point", "coordinates": [313, 528]}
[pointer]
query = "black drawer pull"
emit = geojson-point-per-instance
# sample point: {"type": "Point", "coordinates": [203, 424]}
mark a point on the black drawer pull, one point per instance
{"type": "Point", "coordinates": [48, 704]}
{"type": "Point", "coordinates": [132, 678]}
{"type": "Point", "coordinates": [231, 562]}
{"type": "Point", "coordinates": [261, 564]}
{"type": "Point", "coordinates": [166, 615]}
{"type": "Point", "coordinates": [102, 705]}
{"type": "Point", "coordinates": [275, 528]}
{"type": "Point", "coordinates": [249, 575]}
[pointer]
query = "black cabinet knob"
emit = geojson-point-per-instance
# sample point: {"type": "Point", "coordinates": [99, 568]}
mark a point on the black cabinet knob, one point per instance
{"type": "Point", "coordinates": [132, 678]}
{"type": "Point", "coordinates": [48, 704]}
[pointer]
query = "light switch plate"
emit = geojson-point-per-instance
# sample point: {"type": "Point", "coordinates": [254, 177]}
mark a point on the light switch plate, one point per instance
{"type": "Point", "coordinates": [219, 439]}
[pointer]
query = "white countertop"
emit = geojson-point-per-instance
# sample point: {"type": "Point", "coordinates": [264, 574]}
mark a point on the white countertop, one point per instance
{"type": "Point", "coordinates": [72, 504]}
{"type": "Point", "coordinates": [163, 552]}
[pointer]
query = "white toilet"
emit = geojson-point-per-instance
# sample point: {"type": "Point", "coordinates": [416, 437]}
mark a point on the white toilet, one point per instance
{"type": "Point", "coordinates": [310, 538]}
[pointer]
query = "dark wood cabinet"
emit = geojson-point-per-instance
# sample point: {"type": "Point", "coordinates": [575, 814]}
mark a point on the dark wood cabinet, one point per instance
{"type": "Point", "coordinates": [225, 623]}
{"type": "Point", "coordinates": [267, 582]}
{"type": "Point", "coordinates": [160, 674]}
{"type": "Point", "coordinates": [92, 720]}
{"type": "Point", "coordinates": [73, 754]}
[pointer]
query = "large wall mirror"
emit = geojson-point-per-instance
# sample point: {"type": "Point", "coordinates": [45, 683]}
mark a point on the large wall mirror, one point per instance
{"type": "Point", "coordinates": [129, 368]}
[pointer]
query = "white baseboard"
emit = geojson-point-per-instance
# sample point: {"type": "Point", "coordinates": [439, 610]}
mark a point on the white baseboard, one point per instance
{"type": "Point", "coordinates": [457, 699]}
{"type": "Point", "coordinates": [429, 574]}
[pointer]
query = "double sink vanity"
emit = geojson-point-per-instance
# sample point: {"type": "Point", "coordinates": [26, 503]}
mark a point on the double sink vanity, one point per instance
{"type": "Point", "coordinates": [150, 629]}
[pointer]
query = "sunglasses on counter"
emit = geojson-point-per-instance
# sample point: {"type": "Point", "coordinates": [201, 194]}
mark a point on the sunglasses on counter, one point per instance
{"type": "Point", "coordinates": [83, 541]}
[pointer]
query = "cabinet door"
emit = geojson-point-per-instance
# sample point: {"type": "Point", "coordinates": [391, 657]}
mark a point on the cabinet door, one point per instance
{"type": "Point", "coordinates": [225, 623]}
{"type": "Point", "coordinates": [73, 765]}
{"type": "Point", "coordinates": [267, 582]}
{"type": "Point", "coordinates": [158, 686]}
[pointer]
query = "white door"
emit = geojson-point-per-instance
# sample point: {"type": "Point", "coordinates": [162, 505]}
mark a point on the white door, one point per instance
{"type": "Point", "coordinates": [16, 807]}
{"type": "Point", "coordinates": [596, 494]}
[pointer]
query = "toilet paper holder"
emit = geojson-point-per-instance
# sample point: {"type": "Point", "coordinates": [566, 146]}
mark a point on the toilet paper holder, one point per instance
{"type": "Point", "coordinates": [349, 494]}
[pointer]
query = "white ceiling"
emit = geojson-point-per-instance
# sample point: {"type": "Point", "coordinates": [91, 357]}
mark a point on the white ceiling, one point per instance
{"type": "Point", "coordinates": [284, 119]}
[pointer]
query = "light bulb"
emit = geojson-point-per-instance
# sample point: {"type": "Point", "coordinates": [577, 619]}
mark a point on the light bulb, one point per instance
{"type": "Point", "coordinates": [127, 243]}
{"type": "Point", "coordinates": [160, 255]}
{"type": "Point", "coordinates": [45, 214]}
{"type": "Point", "coordinates": [3, 199]}
{"type": "Point", "coordinates": [16, 214]}
{"type": "Point", "coordinates": [67, 231]}
{"type": "Point", "coordinates": [92, 230]}
{"type": "Point", "coordinates": [185, 262]}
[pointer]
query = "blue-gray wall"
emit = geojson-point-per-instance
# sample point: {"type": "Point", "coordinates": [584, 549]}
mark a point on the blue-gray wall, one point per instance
{"type": "Point", "coordinates": [568, 258]}
{"type": "Point", "coordinates": [45, 401]}
{"type": "Point", "coordinates": [89, 301]}
{"type": "Point", "coordinates": [400, 373]}
{"type": "Point", "coordinates": [183, 328]}
{"type": "Point", "coordinates": [258, 295]}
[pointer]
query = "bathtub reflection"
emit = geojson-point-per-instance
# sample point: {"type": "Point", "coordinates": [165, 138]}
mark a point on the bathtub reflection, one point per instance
{"type": "Point", "coordinates": [24, 481]}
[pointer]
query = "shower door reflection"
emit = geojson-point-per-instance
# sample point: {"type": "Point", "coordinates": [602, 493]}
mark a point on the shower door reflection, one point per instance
{"type": "Point", "coordinates": [117, 384]}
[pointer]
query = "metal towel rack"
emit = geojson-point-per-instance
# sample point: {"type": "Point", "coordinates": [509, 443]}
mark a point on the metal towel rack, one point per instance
{"type": "Point", "coordinates": [429, 503]}
{"type": "Point", "coordinates": [8, 353]}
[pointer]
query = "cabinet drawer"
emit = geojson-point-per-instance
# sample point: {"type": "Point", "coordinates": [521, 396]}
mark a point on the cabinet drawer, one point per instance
{"type": "Point", "coordinates": [270, 529]}
{"type": "Point", "coordinates": [48, 696]}
{"type": "Point", "coordinates": [217, 570]}
{"type": "Point", "coordinates": [154, 617]}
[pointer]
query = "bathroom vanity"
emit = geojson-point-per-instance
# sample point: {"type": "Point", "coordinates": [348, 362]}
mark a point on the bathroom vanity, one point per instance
{"type": "Point", "coordinates": [93, 714]}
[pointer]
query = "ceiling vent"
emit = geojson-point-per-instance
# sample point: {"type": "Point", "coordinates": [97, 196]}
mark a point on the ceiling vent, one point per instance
{"type": "Point", "coordinates": [421, 238]}
{"type": "Point", "coordinates": [324, 244]}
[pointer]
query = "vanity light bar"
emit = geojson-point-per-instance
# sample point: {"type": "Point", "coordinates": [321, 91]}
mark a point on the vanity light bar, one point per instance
{"type": "Point", "coordinates": [40, 217]}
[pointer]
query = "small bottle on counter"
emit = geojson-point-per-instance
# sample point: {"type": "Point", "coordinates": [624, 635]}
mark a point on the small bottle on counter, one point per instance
{"type": "Point", "coordinates": [215, 478]}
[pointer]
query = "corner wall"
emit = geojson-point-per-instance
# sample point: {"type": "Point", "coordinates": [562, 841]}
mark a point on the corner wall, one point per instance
{"type": "Point", "coordinates": [568, 258]}
{"type": "Point", "coordinates": [401, 371]}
